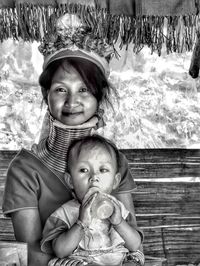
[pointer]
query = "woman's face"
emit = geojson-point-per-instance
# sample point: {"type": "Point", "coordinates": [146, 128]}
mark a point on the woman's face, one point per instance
{"type": "Point", "coordinates": [69, 100]}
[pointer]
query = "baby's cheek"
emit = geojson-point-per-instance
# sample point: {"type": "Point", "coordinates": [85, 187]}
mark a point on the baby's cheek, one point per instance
{"type": "Point", "coordinates": [81, 190]}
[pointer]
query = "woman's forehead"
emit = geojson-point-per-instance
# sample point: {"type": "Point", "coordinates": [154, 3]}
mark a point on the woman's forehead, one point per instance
{"type": "Point", "coordinates": [67, 72]}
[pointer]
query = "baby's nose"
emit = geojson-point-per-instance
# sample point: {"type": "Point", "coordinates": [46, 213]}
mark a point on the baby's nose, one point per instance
{"type": "Point", "coordinates": [94, 178]}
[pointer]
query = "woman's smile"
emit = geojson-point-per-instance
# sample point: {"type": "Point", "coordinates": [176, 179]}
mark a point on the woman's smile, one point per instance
{"type": "Point", "coordinates": [71, 113]}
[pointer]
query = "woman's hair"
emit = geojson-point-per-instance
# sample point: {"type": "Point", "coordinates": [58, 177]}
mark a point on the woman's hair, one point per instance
{"type": "Point", "coordinates": [91, 75]}
{"type": "Point", "coordinates": [90, 142]}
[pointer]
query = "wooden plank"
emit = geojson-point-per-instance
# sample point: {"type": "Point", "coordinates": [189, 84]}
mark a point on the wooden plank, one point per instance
{"type": "Point", "coordinates": [181, 245]}
{"type": "Point", "coordinates": [137, 156]}
{"type": "Point", "coordinates": [5, 159]}
{"type": "Point", "coordinates": [161, 172]}
{"type": "Point", "coordinates": [167, 198]}
{"type": "Point", "coordinates": [163, 221]}
{"type": "Point", "coordinates": [8, 154]}
{"type": "Point", "coordinates": [140, 155]}
{"type": "Point", "coordinates": [163, 163]}
{"type": "Point", "coordinates": [169, 170]}
{"type": "Point", "coordinates": [6, 229]}
{"type": "Point", "coordinates": [167, 209]}
{"type": "Point", "coordinates": [177, 245]}
{"type": "Point", "coordinates": [166, 190]}
{"type": "Point", "coordinates": [162, 155]}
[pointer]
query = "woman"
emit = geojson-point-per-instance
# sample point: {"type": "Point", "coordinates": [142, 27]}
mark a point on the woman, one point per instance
{"type": "Point", "coordinates": [74, 84]}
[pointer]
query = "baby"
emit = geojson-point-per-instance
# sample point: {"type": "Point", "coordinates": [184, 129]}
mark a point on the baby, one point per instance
{"type": "Point", "coordinates": [94, 227]}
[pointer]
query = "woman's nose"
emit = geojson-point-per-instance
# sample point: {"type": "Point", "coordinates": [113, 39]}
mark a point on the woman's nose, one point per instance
{"type": "Point", "coordinates": [71, 100]}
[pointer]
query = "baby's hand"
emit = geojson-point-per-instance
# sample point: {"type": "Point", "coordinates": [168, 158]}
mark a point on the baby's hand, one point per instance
{"type": "Point", "coordinates": [116, 216]}
{"type": "Point", "coordinates": [85, 214]}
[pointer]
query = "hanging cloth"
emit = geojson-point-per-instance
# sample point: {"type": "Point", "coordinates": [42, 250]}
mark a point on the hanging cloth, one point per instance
{"type": "Point", "coordinates": [139, 22]}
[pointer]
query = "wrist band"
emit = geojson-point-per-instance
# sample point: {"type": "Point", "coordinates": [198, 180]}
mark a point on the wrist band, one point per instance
{"type": "Point", "coordinates": [82, 225]}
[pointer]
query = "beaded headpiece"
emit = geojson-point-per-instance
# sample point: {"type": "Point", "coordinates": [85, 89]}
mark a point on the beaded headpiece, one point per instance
{"type": "Point", "coordinates": [73, 38]}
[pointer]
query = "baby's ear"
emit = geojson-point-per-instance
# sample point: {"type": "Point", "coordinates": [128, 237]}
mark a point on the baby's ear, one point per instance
{"type": "Point", "coordinates": [68, 180]}
{"type": "Point", "coordinates": [117, 180]}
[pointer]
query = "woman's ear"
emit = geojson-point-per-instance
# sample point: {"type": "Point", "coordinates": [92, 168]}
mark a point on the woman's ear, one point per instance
{"type": "Point", "coordinates": [68, 180]}
{"type": "Point", "coordinates": [116, 180]}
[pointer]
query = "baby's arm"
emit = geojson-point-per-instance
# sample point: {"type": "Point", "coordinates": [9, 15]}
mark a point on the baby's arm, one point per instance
{"type": "Point", "coordinates": [130, 235]}
{"type": "Point", "coordinates": [67, 242]}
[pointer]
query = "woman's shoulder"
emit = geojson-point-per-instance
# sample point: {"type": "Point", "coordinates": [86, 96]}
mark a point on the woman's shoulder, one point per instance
{"type": "Point", "coordinates": [24, 155]}
{"type": "Point", "coordinates": [26, 159]}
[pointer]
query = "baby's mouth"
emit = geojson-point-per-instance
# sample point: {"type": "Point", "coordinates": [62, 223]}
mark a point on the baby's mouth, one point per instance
{"type": "Point", "coordinates": [94, 185]}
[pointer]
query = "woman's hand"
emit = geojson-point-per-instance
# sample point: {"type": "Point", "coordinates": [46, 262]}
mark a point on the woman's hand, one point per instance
{"type": "Point", "coordinates": [85, 214]}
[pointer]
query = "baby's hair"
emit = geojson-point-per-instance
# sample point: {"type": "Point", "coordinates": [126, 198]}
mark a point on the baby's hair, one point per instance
{"type": "Point", "coordinates": [91, 142]}
{"type": "Point", "coordinates": [92, 76]}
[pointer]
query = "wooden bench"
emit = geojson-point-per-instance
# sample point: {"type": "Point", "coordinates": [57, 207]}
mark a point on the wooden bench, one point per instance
{"type": "Point", "coordinates": [167, 203]}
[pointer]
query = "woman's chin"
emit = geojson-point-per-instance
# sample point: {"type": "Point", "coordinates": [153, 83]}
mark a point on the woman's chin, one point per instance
{"type": "Point", "coordinates": [72, 121]}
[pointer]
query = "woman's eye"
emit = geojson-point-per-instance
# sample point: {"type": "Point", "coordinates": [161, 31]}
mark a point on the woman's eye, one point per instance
{"type": "Point", "coordinates": [83, 170]}
{"type": "Point", "coordinates": [83, 89]}
{"type": "Point", "coordinates": [61, 90]}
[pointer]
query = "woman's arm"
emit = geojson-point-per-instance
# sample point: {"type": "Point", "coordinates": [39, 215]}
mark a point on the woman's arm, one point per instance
{"type": "Point", "coordinates": [28, 229]}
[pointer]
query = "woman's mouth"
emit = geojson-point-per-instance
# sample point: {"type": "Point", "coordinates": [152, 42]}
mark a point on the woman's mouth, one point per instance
{"type": "Point", "coordinates": [71, 113]}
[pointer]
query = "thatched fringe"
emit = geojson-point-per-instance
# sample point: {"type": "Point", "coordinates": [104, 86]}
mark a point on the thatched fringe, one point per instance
{"type": "Point", "coordinates": [34, 22]}
{"type": "Point", "coordinates": [197, 6]}
{"type": "Point", "coordinates": [195, 60]}
{"type": "Point", "coordinates": [26, 21]}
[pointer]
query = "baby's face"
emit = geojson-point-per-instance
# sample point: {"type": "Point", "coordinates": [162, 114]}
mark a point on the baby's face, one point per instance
{"type": "Point", "coordinates": [69, 100]}
{"type": "Point", "coordinates": [94, 167]}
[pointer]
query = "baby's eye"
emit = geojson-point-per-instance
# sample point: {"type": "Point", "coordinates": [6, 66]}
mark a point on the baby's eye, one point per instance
{"type": "Point", "coordinates": [104, 170]}
{"type": "Point", "coordinates": [83, 170]}
{"type": "Point", "coordinates": [61, 89]}
{"type": "Point", "coordinates": [83, 89]}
